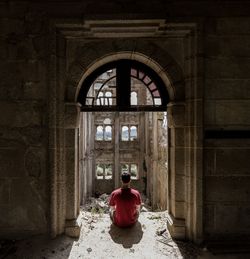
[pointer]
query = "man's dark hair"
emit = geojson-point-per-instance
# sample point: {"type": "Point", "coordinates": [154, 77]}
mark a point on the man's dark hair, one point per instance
{"type": "Point", "coordinates": [125, 177]}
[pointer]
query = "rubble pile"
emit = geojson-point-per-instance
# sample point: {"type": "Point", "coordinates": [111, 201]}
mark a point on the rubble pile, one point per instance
{"type": "Point", "coordinates": [98, 205]}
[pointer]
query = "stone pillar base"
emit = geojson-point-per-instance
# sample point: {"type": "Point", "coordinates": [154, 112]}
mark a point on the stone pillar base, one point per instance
{"type": "Point", "coordinates": [72, 228]}
{"type": "Point", "coordinates": [176, 227]}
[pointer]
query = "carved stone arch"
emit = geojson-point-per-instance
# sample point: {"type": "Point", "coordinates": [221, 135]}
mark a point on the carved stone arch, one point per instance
{"type": "Point", "coordinates": [144, 51]}
{"type": "Point", "coordinates": [184, 115]}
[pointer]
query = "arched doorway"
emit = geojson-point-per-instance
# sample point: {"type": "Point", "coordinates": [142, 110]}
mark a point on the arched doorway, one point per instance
{"type": "Point", "coordinates": [184, 122]}
{"type": "Point", "coordinates": [126, 103]}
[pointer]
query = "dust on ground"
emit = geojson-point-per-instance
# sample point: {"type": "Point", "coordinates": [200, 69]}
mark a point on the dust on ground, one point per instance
{"type": "Point", "coordinates": [148, 239]}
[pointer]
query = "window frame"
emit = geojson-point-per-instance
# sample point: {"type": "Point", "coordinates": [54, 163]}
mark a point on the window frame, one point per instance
{"type": "Point", "coordinates": [123, 69]}
{"type": "Point", "coordinates": [104, 165]}
{"type": "Point", "coordinates": [129, 169]}
{"type": "Point", "coordinates": [129, 125]}
{"type": "Point", "coordinates": [104, 125]}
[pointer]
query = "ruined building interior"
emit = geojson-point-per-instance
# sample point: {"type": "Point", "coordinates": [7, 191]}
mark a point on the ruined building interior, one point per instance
{"type": "Point", "coordinates": [159, 88]}
{"type": "Point", "coordinates": [115, 141]}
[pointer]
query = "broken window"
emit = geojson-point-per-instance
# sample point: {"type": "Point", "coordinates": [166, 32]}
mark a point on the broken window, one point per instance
{"type": "Point", "coordinates": [103, 171]}
{"type": "Point", "coordinates": [108, 133]}
{"type": "Point", "coordinates": [104, 132]}
{"type": "Point", "coordinates": [134, 171]}
{"type": "Point", "coordinates": [132, 168]}
{"type": "Point", "coordinates": [129, 133]}
{"type": "Point", "coordinates": [125, 133]}
{"type": "Point", "coordinates": [99, 133]}
{"type": "Point", "coordinates": [127, 84]}
{"type": "Point", "coordinates": [133, 133]}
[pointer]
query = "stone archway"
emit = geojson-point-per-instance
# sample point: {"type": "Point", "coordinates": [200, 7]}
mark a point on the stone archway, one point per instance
{"type": "Point", "coordinates": [185, 123]}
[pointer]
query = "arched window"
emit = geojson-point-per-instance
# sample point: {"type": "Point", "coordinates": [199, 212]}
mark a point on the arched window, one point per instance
{"type": "Point", "coordinates": [104, 131]}
{"type": "Point", "coordinates": [104, 171]}
{"type": "Point", "coordinates": [123, 85]}
{"type": "Point", "coordinates": [99, 133]}
{"type": "Point", "coordinates": [99, 99]}
{"type": "Point", "coordinates": [108, 133]}
{"type": "Point", "coordinates": [125, 133]}
{"type": "Point", "coordinates": [129, 133]}
{"type": "Point", "coordinates": [133, 133]}
{"type": "Point", "coordinates": [108, 98]}
{"type": "Point", "coordinates": [133, 98]}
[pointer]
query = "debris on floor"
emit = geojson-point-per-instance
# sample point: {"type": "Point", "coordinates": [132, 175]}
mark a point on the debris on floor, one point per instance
{"type": "Point", "coordinates": [99, 238]}
{"type": "Point", "coordinates": [97, 205]}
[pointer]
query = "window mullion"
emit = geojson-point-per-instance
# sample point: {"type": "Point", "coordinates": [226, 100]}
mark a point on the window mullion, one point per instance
{"type": "Point", "coordinates": [123, 84]}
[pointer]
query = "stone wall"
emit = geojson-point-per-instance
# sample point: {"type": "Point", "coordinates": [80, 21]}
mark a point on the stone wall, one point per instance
{"type": "Point", "coordinates": [24, 61]}
{"type": "Point", "coordinates": [227, 109]}
{"type": "Point", "coordinates": [23, 125]}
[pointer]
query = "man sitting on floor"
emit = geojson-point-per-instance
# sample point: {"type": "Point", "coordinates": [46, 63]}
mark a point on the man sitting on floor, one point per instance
{"type": "Point", "coordinates": [125, 203]}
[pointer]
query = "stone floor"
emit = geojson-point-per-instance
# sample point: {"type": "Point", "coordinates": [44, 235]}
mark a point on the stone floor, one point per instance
{"type": "Point", "coordinates": [100, 239]}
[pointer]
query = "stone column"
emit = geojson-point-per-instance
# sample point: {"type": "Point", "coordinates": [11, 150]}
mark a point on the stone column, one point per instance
{"type": "Point", "coordinates": [194, 169]}
{"type": "Point", "coordinates": [71, 125]}
{"type": "Point", "coordinates": [155, 161]}
{"type": "Point", "coordinates": [177, 179]}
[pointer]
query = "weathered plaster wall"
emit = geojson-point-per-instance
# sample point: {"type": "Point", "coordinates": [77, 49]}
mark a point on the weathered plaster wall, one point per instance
{"type": "Point", "coordinates": [227, 107]}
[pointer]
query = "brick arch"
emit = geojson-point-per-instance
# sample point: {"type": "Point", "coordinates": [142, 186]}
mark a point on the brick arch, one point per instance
{"type": "Point", "coordinates": [145, 52]}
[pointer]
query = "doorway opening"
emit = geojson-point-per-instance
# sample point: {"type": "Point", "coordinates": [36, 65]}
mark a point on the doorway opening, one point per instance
{"type": "Point", "coordinates": [124, 128]}
{"type": "Point", "coordinates": [113, 142]}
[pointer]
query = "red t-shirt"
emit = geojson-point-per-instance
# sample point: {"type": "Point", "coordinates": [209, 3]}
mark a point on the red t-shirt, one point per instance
{"type": "Point", "coordinates": [125, 201]}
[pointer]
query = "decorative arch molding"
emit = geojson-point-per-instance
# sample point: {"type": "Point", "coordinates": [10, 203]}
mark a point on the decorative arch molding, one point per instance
{"type": "Point", "coordinates": [145, 52]}
{"type": "Point", "coordinates": [185, 119]}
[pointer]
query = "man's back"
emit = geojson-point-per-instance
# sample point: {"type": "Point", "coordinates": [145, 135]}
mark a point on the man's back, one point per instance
{"type": "Point", "coordinates": [125, 201]}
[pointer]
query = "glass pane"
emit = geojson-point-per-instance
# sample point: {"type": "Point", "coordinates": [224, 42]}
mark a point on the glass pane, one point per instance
{"type": "Point", "coordinates": [133, 98]}
{"type": "Point", "coordinates": [108, 133]}
{"type": "Point", "coordinates": [99, 171]}
{"type": "Point", "coordinates": [98, 102]}
{"type": "Point", "coordinates": [157, 101]}
{"type": "Point", "coordinates": [152, 86]}
{"type": "Point", "coordinates": [133, 72]}
{"type": "Point", "coordinates": [156, 93]}
{"type": "Point", "coordinates": [108, 171]}
{"type": "Point", "coordinates": [133, 133]}
{"type": "Point", "coordinates": [141, 75]}
{"type": "Point", "coordinates": [99, 133]}
{"type": "Point", "coordinates": [108, 99]}
{"type": "Point", "coordinates": [147, 80]}
{"type": "Point", "coordinates": [134, 171]}
{"type": "Point", "coordinates": [125, 133]}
